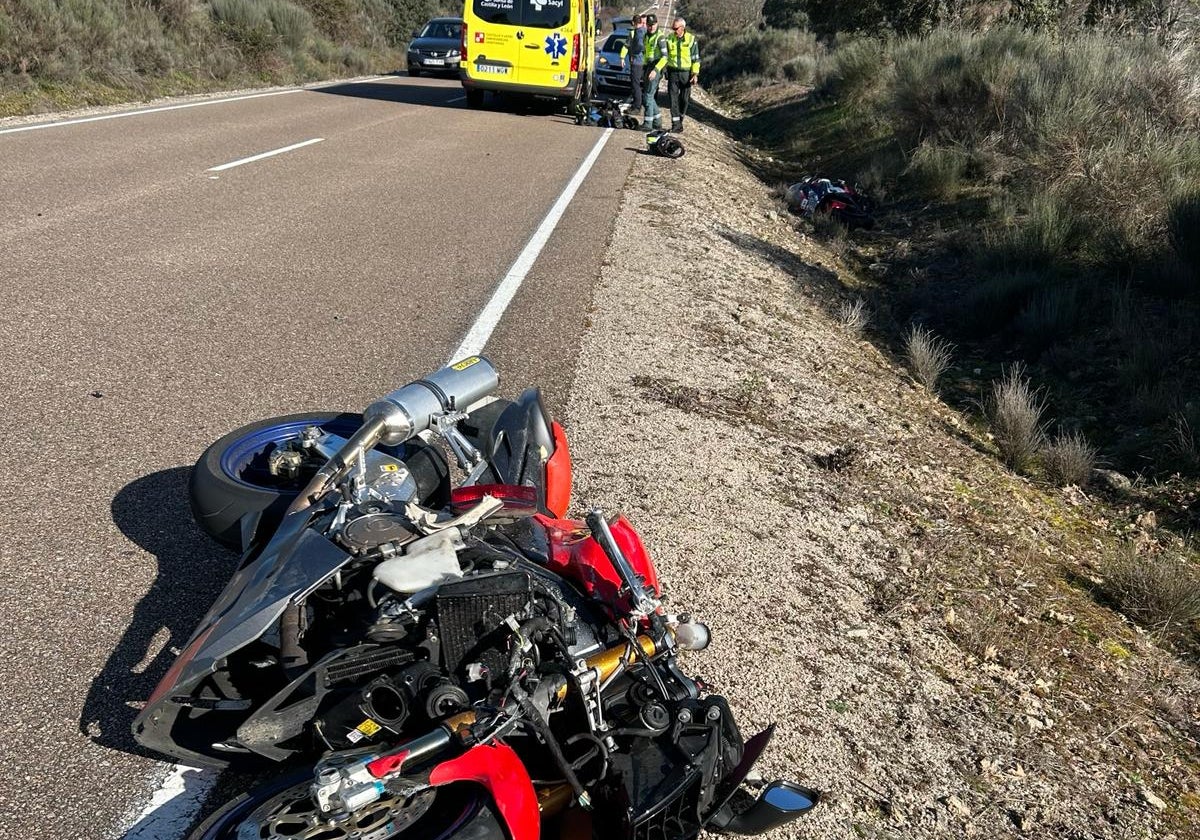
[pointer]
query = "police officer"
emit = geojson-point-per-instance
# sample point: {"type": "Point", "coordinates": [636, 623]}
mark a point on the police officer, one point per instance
{"type": "Point", "coordinates": [654, 60]}
{"type": "Point", "coordinates": [635, 50]}
{"type": "Point", "coordinates": [683, 69]}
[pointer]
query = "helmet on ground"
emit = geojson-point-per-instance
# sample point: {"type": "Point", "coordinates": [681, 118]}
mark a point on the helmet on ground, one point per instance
{"type": "Point", "coordinates": [664, 144]}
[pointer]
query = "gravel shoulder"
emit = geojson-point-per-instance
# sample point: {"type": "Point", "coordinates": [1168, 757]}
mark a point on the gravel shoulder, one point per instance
{"type": "Point", "coordinates": [917, 619]}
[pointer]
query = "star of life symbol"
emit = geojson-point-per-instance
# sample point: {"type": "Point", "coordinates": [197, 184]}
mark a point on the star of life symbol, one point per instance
{"type": "Point", "coordinates": [556, 45]}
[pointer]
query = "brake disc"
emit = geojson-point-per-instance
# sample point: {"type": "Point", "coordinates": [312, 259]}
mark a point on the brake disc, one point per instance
{"type": "Point", "coordinates": [294, 816]}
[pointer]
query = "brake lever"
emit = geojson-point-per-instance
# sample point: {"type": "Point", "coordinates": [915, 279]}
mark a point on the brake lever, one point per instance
{"type": "Point", "coordinates": [644, 603]}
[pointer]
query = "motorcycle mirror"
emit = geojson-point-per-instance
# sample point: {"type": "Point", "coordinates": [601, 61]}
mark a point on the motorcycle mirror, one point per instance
{"type": "Point", "coordinates": [780, 803]}
{"type": "Point", "coordinates": [789, 797]}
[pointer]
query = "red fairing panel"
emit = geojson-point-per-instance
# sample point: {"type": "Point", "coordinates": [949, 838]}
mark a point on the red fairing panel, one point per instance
{"type": "Point", "coordinates": [558, 474]}
{"type": "Point", "coordinates": [498, 769]}
{"type": "Point", "coordinates": [575, 555]}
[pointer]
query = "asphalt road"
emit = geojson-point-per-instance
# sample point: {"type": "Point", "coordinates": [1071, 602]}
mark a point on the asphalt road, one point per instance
{"type": "Point", "coordinates": [148, 305]}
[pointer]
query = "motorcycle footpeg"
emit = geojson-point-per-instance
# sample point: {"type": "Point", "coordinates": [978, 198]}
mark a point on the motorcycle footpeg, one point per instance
{"type": "Point", "coordinates": [779, 803]}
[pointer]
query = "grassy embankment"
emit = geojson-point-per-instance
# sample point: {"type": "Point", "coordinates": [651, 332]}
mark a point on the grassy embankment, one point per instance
{"type": "Point", "coordinates": [1039, 225]}
{"type": "Point", "coordinates": [56, 54]}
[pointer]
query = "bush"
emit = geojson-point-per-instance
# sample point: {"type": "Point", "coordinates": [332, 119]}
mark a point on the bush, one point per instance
{"type": "Point", "coordinates": [1161, 592]}
{"type": "Point", "coordinates": [854, 70]}
{"type": "Point", "coordinates": [832, 232]}
{"type": "Point", "coordinates": [1044, 233]}
{"type": "Point", "coordinates": [802, 69]}
{"type": "Point", "coordinates": [245, 22]}
{"type": "Point", "coordinates": [291, 23]}
{"type": "Point", "coordinates": [928, 356]}
{"type": "Point", "coordinates": [1014, 412]}
{"type": "Point", "coordinates": [1069, 459]}
{"type": "Point", "coordinates": [936, 171]}
{"type": "Point", "coordinates": [1093, 137]}
{"type": "Point", "coordinates": [785, 14]}
{"type": "Point", "coordinates": [771, 53]}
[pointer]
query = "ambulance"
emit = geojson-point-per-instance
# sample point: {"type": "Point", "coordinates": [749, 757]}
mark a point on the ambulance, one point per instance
{"type": "Point", "coordinates": [542, 48]}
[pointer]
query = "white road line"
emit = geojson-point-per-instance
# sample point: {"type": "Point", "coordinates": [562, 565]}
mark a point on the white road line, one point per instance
{"type": "Point", "coordinates": [179, 107]}
{"type": "Point", "coordinates": [455, 99]}
{"type": "Point", "coordinates": [489, 317]}
{"type": "Point", "coordinates": [262, 155]}
{"type": "Point", "coordinates": [173, 807]}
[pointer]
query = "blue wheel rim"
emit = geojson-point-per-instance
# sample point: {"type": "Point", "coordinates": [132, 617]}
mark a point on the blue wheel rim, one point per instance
{"type": "Point", "coordinates": [239, 457]}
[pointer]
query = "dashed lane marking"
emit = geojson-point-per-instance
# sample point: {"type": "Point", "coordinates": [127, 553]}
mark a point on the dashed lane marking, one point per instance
{"type": "Point", "coordinates": [261, 155]}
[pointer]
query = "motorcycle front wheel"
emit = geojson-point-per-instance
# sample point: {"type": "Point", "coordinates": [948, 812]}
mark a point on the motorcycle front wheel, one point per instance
{"type": "Point", "coordinates": [285, 811]}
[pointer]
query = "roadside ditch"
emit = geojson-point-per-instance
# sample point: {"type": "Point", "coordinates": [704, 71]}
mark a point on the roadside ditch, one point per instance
{"type": "Point", "coordinates": [921, 622]}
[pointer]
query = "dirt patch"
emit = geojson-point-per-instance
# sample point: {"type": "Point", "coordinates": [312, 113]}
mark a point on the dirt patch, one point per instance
{"type": "Point", "coordinates": [920, 621]}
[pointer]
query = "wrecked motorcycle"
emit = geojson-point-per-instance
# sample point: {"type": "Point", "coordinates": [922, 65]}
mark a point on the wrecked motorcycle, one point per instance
{"type": "Point", "coordinates": [845, 203]}
{"type": "Point", "coordinates": [425, 658]}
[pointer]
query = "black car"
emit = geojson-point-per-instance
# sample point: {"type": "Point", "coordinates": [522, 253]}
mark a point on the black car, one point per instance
{"type": "Point", "coordinates": [436, 48]}
{"type": "Point", "coordinates": [612, 72]}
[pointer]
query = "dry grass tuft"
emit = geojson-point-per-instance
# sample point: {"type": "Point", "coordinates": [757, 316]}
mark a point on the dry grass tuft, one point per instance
{"type": "Point", "coordinates": [1069, 459]}
{"type": "Point", "coordinates": [928, 356]}
{"type": "Point", "coordinates": [1014, 411]}
{"type": "Point", "coordinates": [1160, 592]}
{"type": "Point", "coordinates": [853, 316]}
{"type": "Point", "coordinates": [1184, 443]}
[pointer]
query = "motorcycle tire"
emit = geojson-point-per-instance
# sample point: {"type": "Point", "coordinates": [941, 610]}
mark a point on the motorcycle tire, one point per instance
{"type": "Point", "coordinates": [230, 480]}
{"type": "Point", "coordinates": [458, 812]}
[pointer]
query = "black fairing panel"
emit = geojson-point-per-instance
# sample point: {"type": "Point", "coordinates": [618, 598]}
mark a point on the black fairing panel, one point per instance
{"type": "Point", "coordinates": [517, 439]}
{"type": "Point", "coordinates": [295, 561]}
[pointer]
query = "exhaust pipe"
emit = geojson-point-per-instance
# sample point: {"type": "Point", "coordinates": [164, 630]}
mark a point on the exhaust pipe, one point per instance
{"type": "Point", "coordinates": [407, 411]}
{"type": "Point", "coordinates": [404, 414]}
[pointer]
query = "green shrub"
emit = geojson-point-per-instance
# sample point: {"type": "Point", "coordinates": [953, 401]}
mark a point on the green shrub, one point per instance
{"type": "Point", "coordinates": [246, 22]}
{"type": "Point", "coordinates": [1184, 445]}
{"type": "Point", "coordinates": [62, 53]}
{"type": "Point", "coordinates": [174, 13]}
{"type": "Point", "coordinates": [785, 14]}
{"type": "Point", "coordinates": [1151, 355]}
{"type": "Point", "coordinates": [854, 70]}
{"type": "Point", "coordinates": [801, 69]}
{"type": "Point", "coordinates": [355, 59]}
{"type": "Point", "coordinates": [993, 300]}
{"type": "Point", "coordinates": [291, 23]}
{"type": "Point", "coordinates": [936, 171]}
{"type": "Point", "coordinates": [768, 53]}
{"type": "Point", "coordinates": [1044, 233]}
